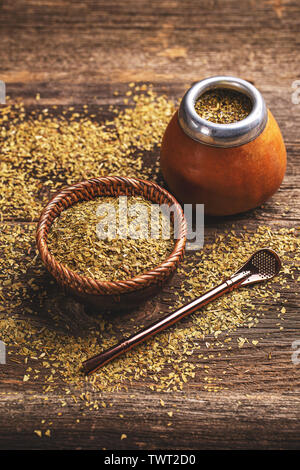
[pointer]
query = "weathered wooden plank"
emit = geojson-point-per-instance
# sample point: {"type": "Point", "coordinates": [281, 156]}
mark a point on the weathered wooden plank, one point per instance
{"type": "Point", "coordinates": [157, 42]}
{"type": "Point", "coordinates": [230, 421]}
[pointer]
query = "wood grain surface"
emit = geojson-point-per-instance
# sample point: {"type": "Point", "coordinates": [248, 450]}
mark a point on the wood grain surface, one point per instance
{"type": "Point", "coordinates": [80, 53]}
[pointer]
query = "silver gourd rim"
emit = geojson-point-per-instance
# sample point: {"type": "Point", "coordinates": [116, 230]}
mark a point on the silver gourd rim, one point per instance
{"type": "Point", "coordinates": [222, 135]}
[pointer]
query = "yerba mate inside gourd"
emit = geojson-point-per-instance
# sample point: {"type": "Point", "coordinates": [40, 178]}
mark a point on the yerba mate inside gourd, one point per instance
{"type": "Point", "coordinates": [223, 106]}
{"type": "Point", "coordinates": [112, 238]}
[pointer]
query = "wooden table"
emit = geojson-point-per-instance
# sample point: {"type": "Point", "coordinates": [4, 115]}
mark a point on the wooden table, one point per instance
{"type": "Point", "coordinates": [80, 52]}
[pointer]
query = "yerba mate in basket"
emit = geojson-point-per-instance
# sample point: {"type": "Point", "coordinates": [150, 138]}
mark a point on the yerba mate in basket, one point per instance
{"type": "Point", "coordinates": [223, 148]}
{"type": "Point", "coordinates": [111, 238]}
{"type": "Point", "coordinates": [109, 281]}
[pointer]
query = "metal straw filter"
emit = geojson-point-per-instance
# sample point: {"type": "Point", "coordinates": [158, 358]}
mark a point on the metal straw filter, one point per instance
{"type": "Point", "coordinates": [261, 266]}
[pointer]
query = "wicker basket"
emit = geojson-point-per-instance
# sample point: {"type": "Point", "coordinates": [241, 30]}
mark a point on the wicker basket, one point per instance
{"type": "Point", "coordinates": [110, 294]}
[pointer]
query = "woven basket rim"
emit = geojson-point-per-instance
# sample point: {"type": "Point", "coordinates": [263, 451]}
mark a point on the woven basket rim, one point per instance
{"type": "Point", "coordinates": [87, 285]}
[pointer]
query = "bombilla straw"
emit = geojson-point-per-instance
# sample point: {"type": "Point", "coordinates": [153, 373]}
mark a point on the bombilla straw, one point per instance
{"type": "Point", "coordinates": [261, 266]}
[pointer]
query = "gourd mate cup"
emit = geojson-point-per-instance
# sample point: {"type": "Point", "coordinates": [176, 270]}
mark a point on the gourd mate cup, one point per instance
{"type": "Point", "coordinates": [230, 168]}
